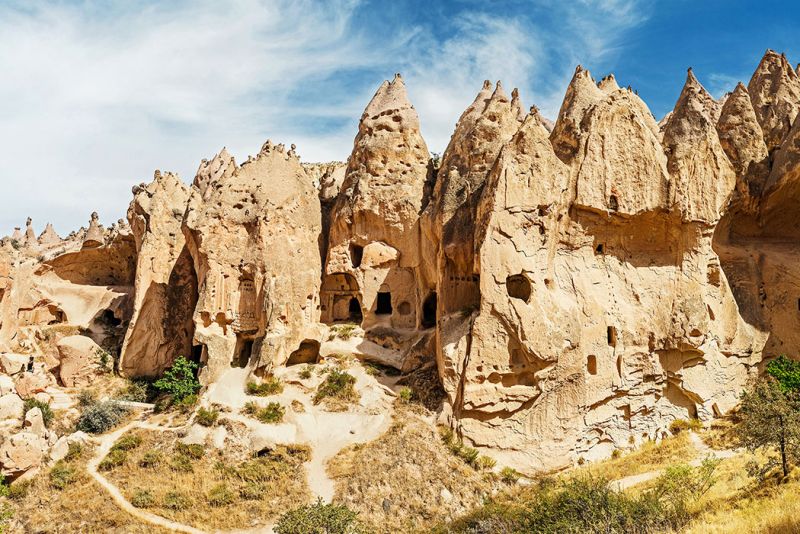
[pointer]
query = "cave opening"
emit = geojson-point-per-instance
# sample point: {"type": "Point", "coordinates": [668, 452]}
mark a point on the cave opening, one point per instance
{"type": "Point", "coordinates": [384, 304]}
{"type": "Point", "coordinates": [356, 255]}
{"type": "Point", "coordinates": [244, 349]}
{"type": "Point", "coordinates": [429, 311]}
{"type": "Point", "coordinates": [591, 364]}
{"type": "Point", "coordinates": [613, 203]}
{"type": "Point", "coordinates": [354, 309]}
{"type": "Point", "coordinates": [611, 334]}
{"type": "Point", "coordinates": [519, 287]}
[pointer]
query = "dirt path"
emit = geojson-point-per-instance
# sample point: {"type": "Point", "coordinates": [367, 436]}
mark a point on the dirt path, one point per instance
{"type": "Point", "coordinates": [703, 452]}
{"type": "Point", "coordinates": [105, 444]}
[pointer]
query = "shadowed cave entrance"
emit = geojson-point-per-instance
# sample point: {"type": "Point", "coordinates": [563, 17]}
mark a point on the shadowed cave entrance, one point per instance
{"type": "Point", "coordinates": [429, 311]}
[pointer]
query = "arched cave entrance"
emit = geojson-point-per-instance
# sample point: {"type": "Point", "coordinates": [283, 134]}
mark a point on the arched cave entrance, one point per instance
{"type": "Point", "coordinates": [354, 311]}
{"type": "Point", "coordinates": [243, 352]}
{"type": "Point", "coordinates": [384, 303]}
{"type": "Point", "coordinates": [429, 311]}
{"type": "Point", "coordinates": [308, 352]}
{"type": "Point", "coordinates": [356, 255]}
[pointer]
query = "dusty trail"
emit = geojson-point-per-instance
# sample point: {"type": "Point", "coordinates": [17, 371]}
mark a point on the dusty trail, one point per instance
{"type": "Point", "coordinates": [703, 450]}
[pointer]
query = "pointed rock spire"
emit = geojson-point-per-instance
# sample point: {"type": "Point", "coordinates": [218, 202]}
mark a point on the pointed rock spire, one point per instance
{"type": "Point", "coordinates": [581, 94]}
{"type": "Point", "coordinates": [95, 236]}
{"type": "Point", "coordinates": [516, 105]}
{"type": "Point", "coordinates": [743, 141]}
{"type": "Point", "coordinates": [702, 176]}
{"type": "Point", "coordinates": [17, 235]}
{"type": "Point", "coordinates": [775, 93]}
{"type": "Point", "coordinates": [221, 166]}
{"type": "Point", "coordinates": [49, 236]}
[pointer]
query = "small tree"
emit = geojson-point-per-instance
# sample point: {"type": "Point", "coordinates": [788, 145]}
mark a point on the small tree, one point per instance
{"type": "Point", "coordinates": [771, 419]}
{"type": "Point", "coordinates": [786, 372]}
{"type": "Point", "coordinates": [179, 380]}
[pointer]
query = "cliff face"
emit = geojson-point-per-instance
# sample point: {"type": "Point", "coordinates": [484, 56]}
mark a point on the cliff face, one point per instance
{"type": "Point", "coordinates": [252, 232]}
{"type": "Point", "coordinates": [578, 285]}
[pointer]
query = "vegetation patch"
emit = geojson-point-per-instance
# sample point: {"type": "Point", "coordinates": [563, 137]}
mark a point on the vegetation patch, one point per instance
{"type": "Point", "coordinates": [588, 504]}
{"type": "Point", "coordinates": [337, 390]}
{"type": "Point", "coordinates": [271, 385]}
{"type": "Point", "coordinates": [100, 417]}
{"type": "Point", "coordinates": [180, 380]}
{"type": "Point", "coordinates": [218, 491]}
{"type": "Point", "coordinates": [320, 517]}
{"type": "Point", "coordinates": [207, 417]}
{"type": "Point", "coordinates": [427, 482]}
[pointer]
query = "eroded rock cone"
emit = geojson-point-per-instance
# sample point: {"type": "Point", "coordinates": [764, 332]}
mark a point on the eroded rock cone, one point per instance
{"type": "Point", "coordinates": [95, 236]}
{"type": "Point", "coordinates": [775, 93]}
{"type": "Point", "coordinates": [49, 236]}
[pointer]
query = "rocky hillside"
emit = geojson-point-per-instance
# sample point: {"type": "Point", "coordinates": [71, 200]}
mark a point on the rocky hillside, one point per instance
{"type": "Point", "coordinates": [577, 286]}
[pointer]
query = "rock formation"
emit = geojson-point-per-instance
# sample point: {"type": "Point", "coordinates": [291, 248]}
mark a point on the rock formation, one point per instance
{"type": "Point", "coordinates": [253, 237]}
{"type": "Point", "coordinates": [161, 326]}
{"type": "Point", "coordinates": [578, 285]}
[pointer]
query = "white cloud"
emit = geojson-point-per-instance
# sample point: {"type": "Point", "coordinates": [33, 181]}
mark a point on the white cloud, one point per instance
{"type": "Point", "coordinates": [94, 99]}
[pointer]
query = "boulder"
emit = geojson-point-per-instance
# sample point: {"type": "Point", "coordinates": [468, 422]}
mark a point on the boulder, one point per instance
{"type": "Point", "coordinates": [21, 452]}
{"type": "Point", "coordinates": [29, 384]}
{"type": "Point", "coordinates": [13, 363]}
{"type": "Point", "coordinates": [11, 406]}
{"type": "Point", "coordinates": [61, 447]}
{"type": "Point", "coordinates": [34, 422]}
{"type": "Point", "coordinates": [79, 356]}
{"type": "Point", "coordinates": [6, 384]}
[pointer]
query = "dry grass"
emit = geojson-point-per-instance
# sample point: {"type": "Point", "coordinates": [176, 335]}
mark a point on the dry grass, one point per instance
{"type": "Point", "coordinates": [649, 457]}
{"type": "Point", "coordinates": [721, 435]}
{"type": "Point", "coordinates": [81, 506]}
{"type": "Point", "coordinates": [739, 504]}
{"type": "Point", "coordinates": [406, 480]}
{"type": "Point", "coordinates": [215, 491]}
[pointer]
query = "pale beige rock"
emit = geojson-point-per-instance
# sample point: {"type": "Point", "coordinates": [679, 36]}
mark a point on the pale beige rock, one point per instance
{"type": "Point", "coordinates": [6, 384]}
{"type": "Point", "coordinates": [20, 452]}
{"type": "Point", "coordinates": [79, 358]}
{"type": "Point", "coordinates": [49, 236]}
{"type": "Point", "coordinates": [95, 236]}
{"type": "Point", "coordinates": [161, 326]}
{"type": "Point", "coordinates": [775, 93]}
{"type": "Point", "coordinates": [29, 384]}
{"type": "Point", "coordinates": [254, 242]}
{"type": "Point", "coordinates": [11, 406]}
{"type": "Point", "coordinates": [34, 422]}
{"type": "Point", "coordinates": [13, 363]}
{"type": "Point", "coordinates": [374, 236]}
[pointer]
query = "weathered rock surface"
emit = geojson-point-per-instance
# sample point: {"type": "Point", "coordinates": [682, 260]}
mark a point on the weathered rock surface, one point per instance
{"type": "Point", "coordinates": [79, 358]}
{"type": "Point", "coordinates": [579, 285]}
{"type": "Point", "coordinates": [253, 236]}
{"type": "Point", "coordinates": [161, 326]}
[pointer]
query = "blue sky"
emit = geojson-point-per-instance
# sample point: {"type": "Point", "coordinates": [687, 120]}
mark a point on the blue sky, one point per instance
{"type": "Point", "coordinates": [95, 96]}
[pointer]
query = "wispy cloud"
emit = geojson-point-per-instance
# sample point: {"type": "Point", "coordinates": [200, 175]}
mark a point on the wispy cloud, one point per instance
{"type": "Point", "coordinates": [94, 98]}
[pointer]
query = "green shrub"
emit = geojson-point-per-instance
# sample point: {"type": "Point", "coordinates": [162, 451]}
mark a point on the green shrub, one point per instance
{"type": "Point", "coordinates": [87, 397]}
{"type": "Point", "coordinates": [271, 413]}
{"type": "Point", "coordinates": [306, 372]}
{"type": "Point", "coordinates": [270, 386]}
{"type": "Point", "coordinates": [320, 518]}
{"type": "Point", "coordinates": [17, 490]}
{"type": "Point", "coordinates": [150, 459]}
{"type": "Point", "coordinates": [509, 475]}
{"type": "Point", "coordinates": [61, 476]}
{"type": "Point", "coordinates": [47, 413]}
{"type": "Point", "coordinates": [405, 394]}
{"type": "Point", "coordinates": [220, 495]}
{"type": "Point", "coordinates": [6, 513]}
{"type": "Point", "coordinates": [786, 372]}
{"type": "Point", "coordinates": [113, 459]}
{"type": "Point", "coordinates": [103, 359]}
{"type": "Point", "coordinates": [339, 385]}
{"type": "Point", "coordinates": [207, 417]}
{"type": "Point", "coordinates": [485, 462]}
{"type": "Point", "coordinates": [137, 390]}
{"type": "Point", "coordinates": [74, 452]}
{"type": "Point", "coordinates": [179, 380]}
{"type": "Point", "coordinates": [194, 451]}
{"type": "Point", "coordinates": [175, 500]}
{"type": "Point", "coordinates": [252, 491]}
{"type": "Point", "coordinates": [181, 463]}
{"type": "Point", "coordinates": [127, 443]}
{"type": "Point", "coordinates": [143, 499]}
{"type": "Point", "coordinates": [101, 417]}
{"type": "Point", "coordinates": [250, 408]}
